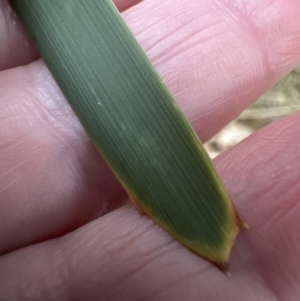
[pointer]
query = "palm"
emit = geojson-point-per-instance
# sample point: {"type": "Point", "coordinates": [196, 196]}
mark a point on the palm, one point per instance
{"type": "Point", "coordinates": [216, 58]}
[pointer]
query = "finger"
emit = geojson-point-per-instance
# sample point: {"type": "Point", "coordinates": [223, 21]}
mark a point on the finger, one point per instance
{"type": "Point", "coordinates": [16, 46]}
{"type": "Point", "coordinates": [267, 167]}
{"type": "Point", "coordinates": [125, 4]}
{"type": "Point", "coordinates": [125, 256]}
{"type": "Point", "coordinates": [217, 57]}
{"type": "Point", "coordinates": [177, 26]}
{"type": "Point", "coordinates": [50, 173]}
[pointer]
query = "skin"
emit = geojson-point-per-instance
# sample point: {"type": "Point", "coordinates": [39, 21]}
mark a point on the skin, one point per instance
{"type": "Point", "coordinates": [67, 230]}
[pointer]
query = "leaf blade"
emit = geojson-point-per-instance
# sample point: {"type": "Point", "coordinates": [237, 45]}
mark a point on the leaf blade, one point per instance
{"type": "Point", "coordinates": [133, 120]}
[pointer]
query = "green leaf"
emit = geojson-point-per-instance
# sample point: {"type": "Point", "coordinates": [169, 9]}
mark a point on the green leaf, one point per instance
{"type": "Point", "coordinates": [133, 120]}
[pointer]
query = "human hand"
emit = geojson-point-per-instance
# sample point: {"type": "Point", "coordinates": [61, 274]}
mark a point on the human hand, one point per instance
{"type": "Point", "coordinates": [67, 230]}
